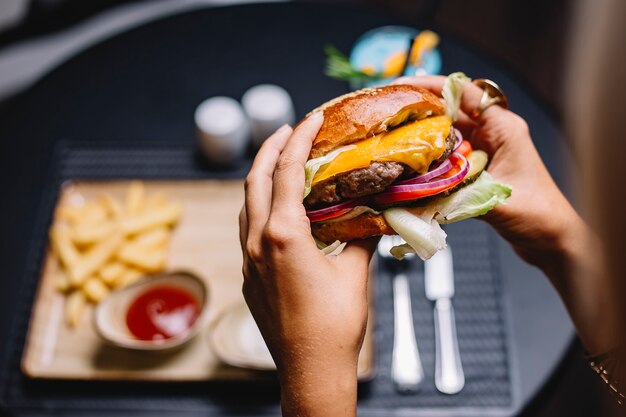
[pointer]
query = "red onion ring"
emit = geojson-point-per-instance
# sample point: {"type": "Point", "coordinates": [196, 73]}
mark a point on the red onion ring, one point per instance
{"type": "Point", "coordinates": [440, 169]}
{"type": "Point", "coordinates": [432, 184]}
{"type": "Point", "coordinates": [459, 139]}
{"type": "Point", "coordinates": [316, 215]}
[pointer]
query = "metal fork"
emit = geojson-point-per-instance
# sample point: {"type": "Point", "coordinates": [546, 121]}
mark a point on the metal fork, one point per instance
{"type": "Point", "coordinates": [407, 372]}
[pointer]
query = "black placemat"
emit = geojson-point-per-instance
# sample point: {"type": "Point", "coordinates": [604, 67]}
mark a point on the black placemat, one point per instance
{"type": "Point", "coordinates": [480, 322]}
{"type": "Point", "coordinates": [481, 315]}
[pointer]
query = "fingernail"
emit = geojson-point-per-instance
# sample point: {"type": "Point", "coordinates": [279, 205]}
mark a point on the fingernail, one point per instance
{"type": "Point", "coordinates": [316, 116]}
{"type": "Point", "coordinates": [400, 80]}
{"type": "Point", "coordinates": [283, 128]}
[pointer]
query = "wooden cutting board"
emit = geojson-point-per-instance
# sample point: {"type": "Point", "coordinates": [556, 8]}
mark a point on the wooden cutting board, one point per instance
{"type": "Point", "coordinates": [205, 242]}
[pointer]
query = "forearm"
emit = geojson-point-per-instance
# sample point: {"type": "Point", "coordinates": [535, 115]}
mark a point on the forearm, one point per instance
{"type": "Point", "coordinates": [319, 389]}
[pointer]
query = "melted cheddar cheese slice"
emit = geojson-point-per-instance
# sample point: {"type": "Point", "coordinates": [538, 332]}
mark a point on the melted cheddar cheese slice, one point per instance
{"type": "Point", "coordinates": [416, 144]}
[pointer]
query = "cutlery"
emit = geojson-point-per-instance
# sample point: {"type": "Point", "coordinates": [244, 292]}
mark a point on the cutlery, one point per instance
{"type": "Point", "coordinates": [439, 284]}
{"type": "Point", "coordinates": [407, 373]}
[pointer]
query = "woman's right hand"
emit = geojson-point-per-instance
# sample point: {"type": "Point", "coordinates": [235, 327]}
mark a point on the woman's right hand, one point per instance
{"type": "Point", "coordinates": [538, 221]}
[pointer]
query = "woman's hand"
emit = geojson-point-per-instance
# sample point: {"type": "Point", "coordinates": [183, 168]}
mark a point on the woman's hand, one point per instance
{"type": "Point", "coordinates": [529, 221]}
{"type": "Point", "coordinates": [538, 221]}
{"type": "Point", "coordinates": [311, 309]}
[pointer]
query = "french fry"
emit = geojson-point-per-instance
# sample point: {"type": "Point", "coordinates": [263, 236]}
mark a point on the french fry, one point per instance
{"type": "Point", "coordinates": [95, 290]}
{"type": "Point", "coordinates": [155, 201]}
{"type": "Point", "coordinates": [158, 237]}
{"type": "Point", "coordinates": [62, 282]}
{"type": "Point", "coordinates": [113, 206]}
{"type": "Point", "coordinates": [89, 234]}
{"type": "Point", "coordinates": [74, 305]}
{"type": "Point", "coordinates": [107, 243]}
{"type": "Point", "coordinates": [95, 258]}
{"type": "Point", "coordinates": [130, 276]}
{"type": "Point", "coordinates": [91, 213]}
{"type": "Point", "coordinates": [135, 197]}
{"type": "Point", "coordinates": [68, 212]}
{"type": "Point", "coordinates": [112, 272]}
{"type": "Point", "coordinates": [162, 216]}
{"type": "Point", "coordinates": [63, 246]}
{"type": "Point", "coordinates": [147, 259]}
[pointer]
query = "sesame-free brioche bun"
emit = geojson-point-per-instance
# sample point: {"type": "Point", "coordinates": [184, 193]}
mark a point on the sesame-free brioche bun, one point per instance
{"type": "Point", "coordinates": [364, 113]}
{"type": "Point", "coordinates": [360, 227]}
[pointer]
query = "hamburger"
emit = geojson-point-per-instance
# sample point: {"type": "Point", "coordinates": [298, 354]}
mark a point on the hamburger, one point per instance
{"type": "Point", "coordinates": [388, 160]}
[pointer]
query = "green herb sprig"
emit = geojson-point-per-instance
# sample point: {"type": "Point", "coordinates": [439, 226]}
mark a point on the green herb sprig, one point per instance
{"type": "Point", "coordinates": [339, 67]}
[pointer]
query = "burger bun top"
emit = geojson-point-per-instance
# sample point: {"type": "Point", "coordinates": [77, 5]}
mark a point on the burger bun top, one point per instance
{"type": "Point", "coordinates": [367, 112]}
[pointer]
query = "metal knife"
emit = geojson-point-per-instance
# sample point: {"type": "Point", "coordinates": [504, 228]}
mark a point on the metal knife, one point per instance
{"type": "Point", "coordinates": [407, 373]}
{"type": "Point", "coordinates": [439, 283]}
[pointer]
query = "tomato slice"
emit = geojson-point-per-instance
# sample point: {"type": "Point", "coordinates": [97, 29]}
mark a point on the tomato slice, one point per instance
{"type": "Point", "coordinates": [465, 149]}
{"type": "Point", "coordinates": [457, 166]}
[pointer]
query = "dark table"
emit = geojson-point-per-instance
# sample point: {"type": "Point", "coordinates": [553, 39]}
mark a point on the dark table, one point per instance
{"type": "Point", "coordinates": [144, 85]}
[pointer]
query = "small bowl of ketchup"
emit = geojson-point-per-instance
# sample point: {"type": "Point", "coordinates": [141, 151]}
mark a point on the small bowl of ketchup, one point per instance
{"type": "Point", "coordinates": [157, 313]}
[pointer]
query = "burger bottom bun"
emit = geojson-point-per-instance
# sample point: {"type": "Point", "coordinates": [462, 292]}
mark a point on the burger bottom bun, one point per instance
{"type": "Point", "coordinates": [361, 227]}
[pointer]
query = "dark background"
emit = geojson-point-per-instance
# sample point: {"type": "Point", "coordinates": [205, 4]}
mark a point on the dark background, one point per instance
{"type": "Point", "coordinates": [528, 38]}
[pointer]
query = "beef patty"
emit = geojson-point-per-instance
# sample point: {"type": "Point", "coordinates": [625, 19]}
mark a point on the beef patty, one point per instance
{"type": "Point", "coordinates": [365, 181]}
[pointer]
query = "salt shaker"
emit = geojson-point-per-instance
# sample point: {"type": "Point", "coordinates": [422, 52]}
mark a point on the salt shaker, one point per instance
{"type": "Point", "coordinates": [223, 129]}
{"type": "Point", "coordinates": [268, 107]}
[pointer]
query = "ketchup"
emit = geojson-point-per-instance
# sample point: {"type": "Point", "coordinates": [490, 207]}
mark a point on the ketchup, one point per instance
{"type": "Point", "coordinates": [162, 312]}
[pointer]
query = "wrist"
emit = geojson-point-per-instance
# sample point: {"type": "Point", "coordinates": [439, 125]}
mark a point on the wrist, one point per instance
{"type": "Point", "coordinates": [567, 246]}
{"type": "Point", "coordinates": [550, 245]}
{"type": "Point", "coordinates": [319, 388]}
{"type": "Point", "coordinates": [579, 276]}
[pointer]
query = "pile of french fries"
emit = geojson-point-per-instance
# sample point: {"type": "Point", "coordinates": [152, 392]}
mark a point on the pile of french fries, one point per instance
{"type": "Point", "coordinates": [106, 244]}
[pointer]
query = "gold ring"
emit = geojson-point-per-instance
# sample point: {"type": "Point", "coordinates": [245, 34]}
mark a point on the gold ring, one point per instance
{"type": "Point", "coordinates": [492, 94]}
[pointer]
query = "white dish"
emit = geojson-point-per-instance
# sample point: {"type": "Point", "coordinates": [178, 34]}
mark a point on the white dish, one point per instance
{"type": "Point", "coordinates": [110, 314]}
{"type": "Point", "coordinates": [237, 341]}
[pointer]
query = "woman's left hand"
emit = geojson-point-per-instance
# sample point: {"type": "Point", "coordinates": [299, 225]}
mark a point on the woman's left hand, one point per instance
{"type": "Point", "coordinates": [311, 308]}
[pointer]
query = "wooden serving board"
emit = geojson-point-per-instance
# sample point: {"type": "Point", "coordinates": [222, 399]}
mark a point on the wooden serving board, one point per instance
{"type": "Point", "coordinates": [205, 242]}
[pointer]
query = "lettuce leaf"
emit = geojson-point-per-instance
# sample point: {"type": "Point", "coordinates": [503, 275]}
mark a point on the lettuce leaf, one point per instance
{"type": "Point", "coordinates": [472, 200]}
{"type": "Point", "coordinates": [313, 165]}
{"type": "Point", "coordinates": [334, 248]}
{"type": "Point", "coordinates": [422, 233]}
{"type": "Point", "coordinates": [452, 92]}
{"type": "Point", "coordinates": [400, 251]}
{"type": "Point", "coordinates": [420, 226]}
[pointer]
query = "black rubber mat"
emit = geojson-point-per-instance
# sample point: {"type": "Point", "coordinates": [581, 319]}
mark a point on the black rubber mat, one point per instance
{"type": "Point", "coordinates": [480, 315]}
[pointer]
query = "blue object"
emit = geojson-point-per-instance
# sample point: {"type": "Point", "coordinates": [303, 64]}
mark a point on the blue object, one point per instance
{"type": "Point", "coordinates": [374, 47]}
